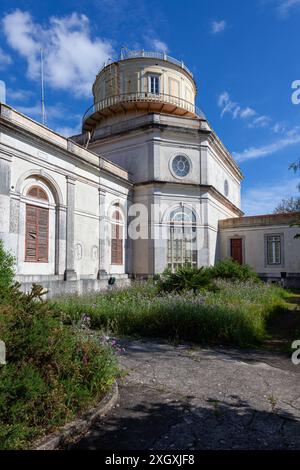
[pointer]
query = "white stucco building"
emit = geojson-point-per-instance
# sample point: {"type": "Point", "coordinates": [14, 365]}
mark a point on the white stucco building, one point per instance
{"type": "Point", "coordinates": [147, 184]}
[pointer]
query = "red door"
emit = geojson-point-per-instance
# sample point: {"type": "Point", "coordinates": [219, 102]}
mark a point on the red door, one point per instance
{"type": "Point", "coordinates": [236, 249]}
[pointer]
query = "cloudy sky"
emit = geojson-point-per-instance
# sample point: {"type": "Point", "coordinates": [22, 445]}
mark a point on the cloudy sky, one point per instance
{"type": "Point", "coordinates": [244, 56]}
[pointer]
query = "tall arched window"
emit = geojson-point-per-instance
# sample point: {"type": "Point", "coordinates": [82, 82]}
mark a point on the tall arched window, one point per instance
{"type": "Point", "coordinates": [37, 227]}
{"type": "Point", "coordinates": [182, 238]}
{"type": "Point", "coordinates": [116, 237]}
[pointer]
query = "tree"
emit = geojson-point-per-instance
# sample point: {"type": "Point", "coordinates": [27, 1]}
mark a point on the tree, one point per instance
{"type": "Point", "coordinates": [288, 205]}
{"type": "Point", "coordinates": [7, 273]}
{"type": "Point", "coordinates": [296, 166]}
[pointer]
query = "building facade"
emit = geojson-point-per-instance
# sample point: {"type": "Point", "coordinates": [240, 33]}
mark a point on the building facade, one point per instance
{"type": "Point", "coordinates": [265, 242]}
{"type": "Point", "coordinates": [146, 185]}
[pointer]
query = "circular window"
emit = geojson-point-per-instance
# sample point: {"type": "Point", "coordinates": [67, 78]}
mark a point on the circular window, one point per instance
{"type": "Point", "coordinates": [181, 166]}
{"type": "Point", "coordinates": [226, 188]}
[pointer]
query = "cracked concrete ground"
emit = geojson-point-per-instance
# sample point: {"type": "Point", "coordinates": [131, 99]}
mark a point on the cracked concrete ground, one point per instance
{"type": "Point", "coordinates": [181, 397]}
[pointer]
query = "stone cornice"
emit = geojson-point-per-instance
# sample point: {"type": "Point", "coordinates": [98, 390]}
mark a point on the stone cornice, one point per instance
{"type": "Point", "coordinates": [152, 121]}
{"type": "Point", "coordinates": [260, 220]}
{"type": "Point", "coordinates": [224, 154]}
{"type": "Point", "coordinates": [7, 153]}
{"type": "Point", "coordinates": [18, 123]}
{"type": "Point", "coordinates": [203, 187]}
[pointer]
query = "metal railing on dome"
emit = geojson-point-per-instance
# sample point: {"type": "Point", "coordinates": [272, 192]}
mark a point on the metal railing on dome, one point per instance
{"type": "Point", "coordinates": [142, 97]}
{"type": "Point", "coordinates": [127, 54]}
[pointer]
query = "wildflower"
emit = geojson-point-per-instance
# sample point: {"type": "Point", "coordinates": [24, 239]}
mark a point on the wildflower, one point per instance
{"type": "Point", "coordinates": [85, 359]}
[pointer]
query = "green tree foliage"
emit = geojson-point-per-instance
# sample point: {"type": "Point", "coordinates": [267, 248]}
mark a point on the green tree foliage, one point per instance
{"type": "Point", "coordinates": [288, 205]}
{"type": "Point", "coordinates": [53, 370]}
{"type": "Point", "coordinates": [194, 279]}
{"type": "Point", "coordinates": [230, 269]}
{"type": "Point", "coordinates": [184, 278]}
{"type": "Point", "coordinates": [296, 166]}
{"type": "Point", "coordinates": [7, 273]}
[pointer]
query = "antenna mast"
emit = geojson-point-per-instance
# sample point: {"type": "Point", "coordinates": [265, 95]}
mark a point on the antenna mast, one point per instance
{"type": "Point", "coordinates": [42, 90]}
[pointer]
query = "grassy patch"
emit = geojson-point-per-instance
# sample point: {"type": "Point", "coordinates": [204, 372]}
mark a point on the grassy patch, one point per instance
{"type": "Point", "coordinates": [284, 326]}
{"type": "Point", "coordinates": [235, 313]}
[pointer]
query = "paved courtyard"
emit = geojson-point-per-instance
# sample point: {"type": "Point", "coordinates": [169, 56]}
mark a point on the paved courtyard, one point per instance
{"type": "Point", "coordinates": [179, 397]}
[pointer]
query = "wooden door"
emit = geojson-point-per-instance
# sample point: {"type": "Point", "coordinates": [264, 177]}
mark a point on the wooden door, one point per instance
{"type": "Point", "coordinates": [236, 249]}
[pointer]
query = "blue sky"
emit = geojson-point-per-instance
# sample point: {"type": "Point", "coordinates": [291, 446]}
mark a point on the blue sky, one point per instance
{"type": "Point", "coordinates": [244, 56]}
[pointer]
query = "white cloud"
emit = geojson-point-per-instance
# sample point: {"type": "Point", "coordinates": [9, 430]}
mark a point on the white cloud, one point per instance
{"type": "Point", "coordinates": [231, 107]}
{"type": "Point", "coordinates": [292, 137]}
{"type": "Point", "coordinates": [72, 58]}
{"type": "Point", "coordinates": [254, 119]}
{"type": "Point", "coordinates": [285, 6]}
{"type": "Point", "coordinates": [68, 131]}
{"type": "Point", "coordinates": [18, 95]}
{"type": "Point", "coordinates": [247, 112]}
{"type": "Point", "coordinates": [263, 199]}
{"type": "Point", "coordinates": [159, 45]}
{"type": "Point", "coordinates": [55, 111]}
{"type": "Point", "coordinates": [279, 128]}
{"type": "Point", "coordinates": [218, 26]}
{"type": "Point", "coordinates": [5, 59]}
{"type": "Point", "coordinates": [261, 121]}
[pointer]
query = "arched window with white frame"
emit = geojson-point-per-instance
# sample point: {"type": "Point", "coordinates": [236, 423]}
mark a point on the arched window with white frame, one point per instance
{"type": "Point", "coordinates": [181, 249]}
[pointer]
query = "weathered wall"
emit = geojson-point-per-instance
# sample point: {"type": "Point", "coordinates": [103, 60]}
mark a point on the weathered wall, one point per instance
{"type": "Point", "coordinates": [253, 231]}
{"type": "Point", "coordinates": [81, 188]}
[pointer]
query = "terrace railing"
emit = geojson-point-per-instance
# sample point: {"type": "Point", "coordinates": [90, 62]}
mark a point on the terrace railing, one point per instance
{"type": "Point", "coordinates": [162, 98]}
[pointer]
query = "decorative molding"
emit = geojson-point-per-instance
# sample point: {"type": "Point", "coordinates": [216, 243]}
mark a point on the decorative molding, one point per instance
{"type": "Point", "coordinates": [58, 197]}
{"type": "Point", "coordinates": [256, 221]}
{"type": "Point", "coordinates": [207, 188]}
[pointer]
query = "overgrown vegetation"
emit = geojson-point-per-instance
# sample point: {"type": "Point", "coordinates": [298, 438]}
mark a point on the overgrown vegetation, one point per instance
{"type": "Point", "coordinates": [230, 269]}
{"type": "Point", "coordinates": [185, 278]}
{"type": "Point", "coordinates": [234, 312]}
{"type": "Point", "coordinates": [196, 279]}
{"type": "Point", "coordinates": [291, 204]}
{"type": "Point", "coordinates": [53, 370]}
{"type": "Point", "coordinates": [6, 271]}
{"type": "Point", "coordinates": [56, 369]}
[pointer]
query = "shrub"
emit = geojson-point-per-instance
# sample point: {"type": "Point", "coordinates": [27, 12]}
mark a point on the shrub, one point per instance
{"type": "Point", "coordinates": [7, 273]}
{"type": "Point", "coordinates": [231, 269]}
{"type": "Point", "coordinates": [53, 370]}
{"type": "Point", "coordinates": [191, 278]}
{"type": "Point", "coordinates": [184, 278]}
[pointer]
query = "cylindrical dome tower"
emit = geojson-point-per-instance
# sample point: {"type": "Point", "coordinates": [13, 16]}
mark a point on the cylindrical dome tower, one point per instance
{"type": "Point", "coordinates": [138, 83]}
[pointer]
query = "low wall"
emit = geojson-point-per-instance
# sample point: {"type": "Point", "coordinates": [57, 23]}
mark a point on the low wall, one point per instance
{"type": "Point", "coordinates": [59, 287]}
{"type": "Point", "coordinates": [289, 280]}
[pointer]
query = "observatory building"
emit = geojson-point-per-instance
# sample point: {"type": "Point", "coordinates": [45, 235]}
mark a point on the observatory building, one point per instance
{"type": "Point", "coordinates": [145, 186]}
{"type": "Point", "coordinates": [144, 118]}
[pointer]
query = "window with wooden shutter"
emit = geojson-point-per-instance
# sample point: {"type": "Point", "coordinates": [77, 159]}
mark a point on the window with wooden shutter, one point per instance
{"type": "Point", "coordinates": [116, 239]}
{"type": "Point", "coordinates": [36, 243]}
{"type": "Point", "coordinates": [37, 228]}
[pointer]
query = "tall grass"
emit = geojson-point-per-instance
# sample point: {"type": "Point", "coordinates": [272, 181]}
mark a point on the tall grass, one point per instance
{"type": "Point", "coordinates": [235, 314]}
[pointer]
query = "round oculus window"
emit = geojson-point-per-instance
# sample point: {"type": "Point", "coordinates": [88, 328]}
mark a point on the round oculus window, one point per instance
{"type": "Point", "coordinates": [181, 166]}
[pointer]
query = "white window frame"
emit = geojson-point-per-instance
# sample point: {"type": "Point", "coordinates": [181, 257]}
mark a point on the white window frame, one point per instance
{"type": "Point", "coordinates": [274, 238]}
{"type": "Point", "coordinates": [181, 247]}
{"type": "Point", "coordinates": [156, 84]}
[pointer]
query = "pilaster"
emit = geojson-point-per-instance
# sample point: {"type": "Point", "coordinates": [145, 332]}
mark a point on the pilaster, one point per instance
{"type": "Point", "coordinates": [70, 273]}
